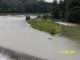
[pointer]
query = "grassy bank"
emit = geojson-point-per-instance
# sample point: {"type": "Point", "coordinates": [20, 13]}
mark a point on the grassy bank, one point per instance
{"type": "Point", "coordinates": [46, 26]}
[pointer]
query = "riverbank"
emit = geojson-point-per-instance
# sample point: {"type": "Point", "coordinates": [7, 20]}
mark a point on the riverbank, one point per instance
{"type": "Point", "coordinates": [43, 25]}
{"type": "Point", "coordinates": [66, 23]}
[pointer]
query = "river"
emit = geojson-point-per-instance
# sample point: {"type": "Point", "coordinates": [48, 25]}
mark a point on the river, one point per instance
{"type": "Point", "coordinates": [17, 35]}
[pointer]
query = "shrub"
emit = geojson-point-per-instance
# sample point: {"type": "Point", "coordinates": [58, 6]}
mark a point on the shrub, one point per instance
{"type": "Point", "coordinates": [46, 16]}
{"type": "Point", "coordinates": [39, 16]}
{"type": "Point", "coordinates": [27, 17]}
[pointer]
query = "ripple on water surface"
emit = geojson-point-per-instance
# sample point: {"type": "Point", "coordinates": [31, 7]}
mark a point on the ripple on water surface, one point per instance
{"type": "Point", "coordinates": [6, 54]}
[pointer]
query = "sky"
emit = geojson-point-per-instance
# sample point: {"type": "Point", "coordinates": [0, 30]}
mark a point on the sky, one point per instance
{"type": "Point", "coordinates": [50, 0]}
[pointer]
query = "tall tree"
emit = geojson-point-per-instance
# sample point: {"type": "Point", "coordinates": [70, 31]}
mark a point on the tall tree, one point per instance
{"type": "Point", "coordinates": [55, 10]}
{"type": "Point", "coordinates": [62, 8]}
{"type": "Point", "coordinates": [73, 11]}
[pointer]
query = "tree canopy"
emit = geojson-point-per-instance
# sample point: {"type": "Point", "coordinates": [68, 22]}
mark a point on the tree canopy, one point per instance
{"type": "Point", "coordinates": [24, 6]}
{"type": "Point", "coordinates": [67, 9]}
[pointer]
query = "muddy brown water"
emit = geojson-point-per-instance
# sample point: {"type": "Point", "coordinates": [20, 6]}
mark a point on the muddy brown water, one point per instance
{"type": "Point", "coordinates": [17, 35]}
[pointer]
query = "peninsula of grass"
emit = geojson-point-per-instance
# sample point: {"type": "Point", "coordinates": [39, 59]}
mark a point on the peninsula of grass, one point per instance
{"type": "Point", "coordinates": [46, 26]}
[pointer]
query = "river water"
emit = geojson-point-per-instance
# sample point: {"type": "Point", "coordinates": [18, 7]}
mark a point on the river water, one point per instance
{"type": "Point", "coordinates": [17, 35]}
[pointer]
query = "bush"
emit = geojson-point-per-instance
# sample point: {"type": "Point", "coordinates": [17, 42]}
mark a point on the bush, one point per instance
{"type": "Point", "coordinates": [46, 16]}
{"type": "Point", "coordinates": [28, 18]}
{"type": "Point", "coordinates": [39, 16]}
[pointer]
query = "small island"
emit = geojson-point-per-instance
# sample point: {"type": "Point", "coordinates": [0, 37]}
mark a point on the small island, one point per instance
{"type": "Point", "coordinates": [44, 24]}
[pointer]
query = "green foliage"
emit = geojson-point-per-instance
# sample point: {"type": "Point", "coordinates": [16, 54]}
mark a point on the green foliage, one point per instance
{"type": "Point", "coordinates": [67, 9]}
{"type": "Point", "coordinates": [55, 10]}
{"type": "Point", "coordinates": [46, 16]}
{"type": "Point", "coordinates": [46, 26]}
{"type": "Point", "coordinates": [39, 16]}
{"type": "Point", "coordinates": [73, 11]}
{"type": "Point", "coordinates": [62, 8]}
{"type": "Point", "coordinates": [28, 18]}
{"type": "Point", "coordinates": [62, 14]}
{"type": "Point", "coordinates": [24, 6]}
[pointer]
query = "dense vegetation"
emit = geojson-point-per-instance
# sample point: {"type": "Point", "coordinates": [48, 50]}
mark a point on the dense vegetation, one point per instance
{"type": "Point", "coordinates": [46, 26]}
{"type": "Point", "coordinates": [68, 10]}
{"type": "Point", "coordinates": [28, 18]}
{"type": "Point", "coordinates": [24, 6]}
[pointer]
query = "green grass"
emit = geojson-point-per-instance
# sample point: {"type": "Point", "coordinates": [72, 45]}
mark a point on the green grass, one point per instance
{"type": "Point", "coordinates": [46, 26]}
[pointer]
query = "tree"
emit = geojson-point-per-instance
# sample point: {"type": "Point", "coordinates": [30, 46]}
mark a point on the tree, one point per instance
{"type": "Point", "coordinates": [55, 10]}
{"type": "Point", "coordinates": [62, 8]}
{"type": "Point", "coordinates": [24, 6]}
{"type": "Point", "coordinates": [67, 9]}
{"type": "Point", "coordinates": [73, 11]}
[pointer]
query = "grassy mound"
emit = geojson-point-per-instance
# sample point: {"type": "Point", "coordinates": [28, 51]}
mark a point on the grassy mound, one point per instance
{"type": "Point", "coordinates": [46, 26]}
